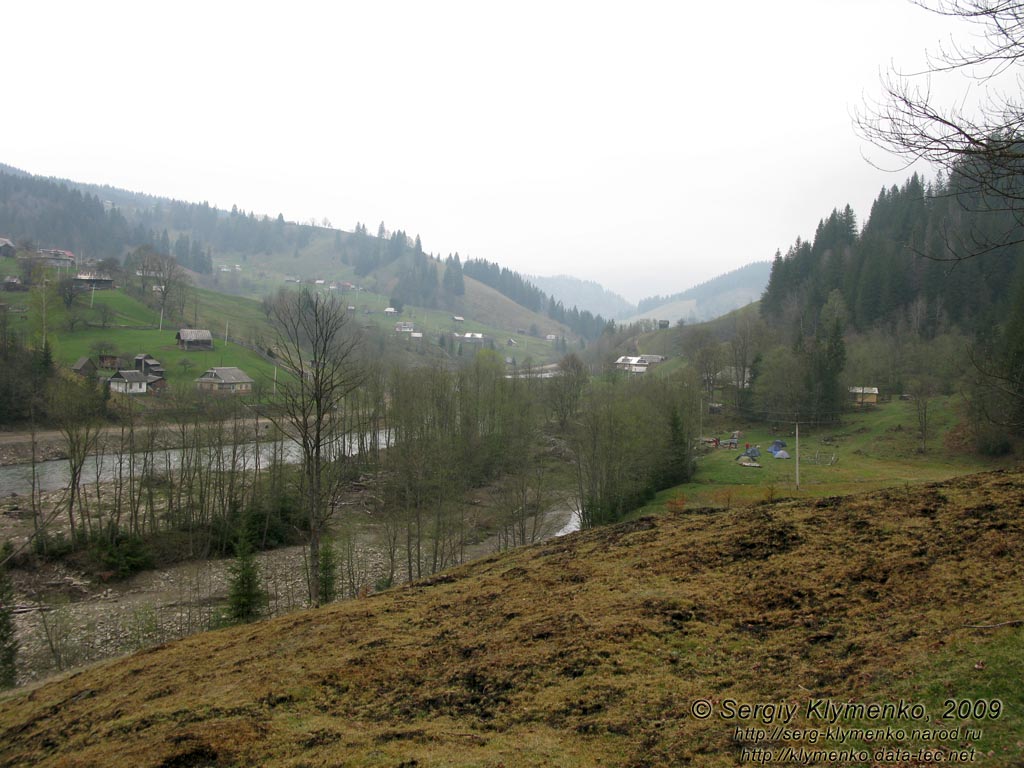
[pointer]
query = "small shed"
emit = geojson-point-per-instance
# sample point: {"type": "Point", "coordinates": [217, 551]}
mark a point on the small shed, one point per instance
{"type": "Point", "coordinates": [149, 365]}
{"type": "Point", "coordinates": [229, 380]}
{"type": "Point", "coordinates": [194, 339]}
{"type": "Point", "coordinates": [85, 367]}
{"type": "Point", "coordinates": [91, 280]}
{"type": "Point", "coordinates": [861, 396]}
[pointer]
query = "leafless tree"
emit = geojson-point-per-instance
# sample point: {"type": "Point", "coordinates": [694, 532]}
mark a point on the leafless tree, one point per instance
{"type": "Point", "coordinates": [979, 146]}
{"type": "Point", "coordinates": [316, 344]}
{"type": "Point", "coordinates": [76, 407]}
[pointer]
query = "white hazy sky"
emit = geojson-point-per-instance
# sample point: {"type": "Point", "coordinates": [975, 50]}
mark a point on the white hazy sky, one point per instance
{"type": "Point", "coordinates": [645, 145]}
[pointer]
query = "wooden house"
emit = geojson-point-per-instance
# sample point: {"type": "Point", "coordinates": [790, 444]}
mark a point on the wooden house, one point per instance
{"type": "Point", "coordinates": [191, 339]}
{"type": "Point", "coordinates": [129, 382]}
{"type": "Point", "coordinates": [229, 380]}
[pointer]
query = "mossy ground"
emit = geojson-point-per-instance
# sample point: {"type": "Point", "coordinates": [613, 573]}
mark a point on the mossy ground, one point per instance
{"type": "Point", "coordinates": [590, 649]}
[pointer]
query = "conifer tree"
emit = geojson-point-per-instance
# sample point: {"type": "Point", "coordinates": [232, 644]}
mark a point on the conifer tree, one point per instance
{"type": "Point", "coordinates": [247, 600]}
{"type": "Point", "coordinates": [8, 640]}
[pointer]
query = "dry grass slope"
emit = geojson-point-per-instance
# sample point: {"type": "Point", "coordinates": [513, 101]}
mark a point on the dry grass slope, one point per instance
{"type": "Point", "coordinates": [586, 650]}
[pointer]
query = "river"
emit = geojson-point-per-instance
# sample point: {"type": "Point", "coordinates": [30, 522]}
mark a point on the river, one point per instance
{"type": "Point", "coordinates": [55, 474]}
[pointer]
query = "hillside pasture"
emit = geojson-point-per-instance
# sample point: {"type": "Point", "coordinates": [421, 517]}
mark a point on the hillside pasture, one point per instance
{"type": "Point", "coordinates": [875, 448]}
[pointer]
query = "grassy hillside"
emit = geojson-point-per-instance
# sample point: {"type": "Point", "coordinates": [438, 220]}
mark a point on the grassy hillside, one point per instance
{"type": "Point", "coordinates": [595, 649]}
{"type": "Point", "coordinates": [872, 449]}
{"type": "Point", "coordinates": [134, 328]}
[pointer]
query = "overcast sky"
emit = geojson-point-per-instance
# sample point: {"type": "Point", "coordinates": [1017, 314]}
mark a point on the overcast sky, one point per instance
{"type": "Point", "coordinates": [648, 146]}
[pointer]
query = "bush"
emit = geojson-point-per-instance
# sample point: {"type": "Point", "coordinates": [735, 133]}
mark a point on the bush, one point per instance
{"type": "Point", "coordinates": [125, 556]}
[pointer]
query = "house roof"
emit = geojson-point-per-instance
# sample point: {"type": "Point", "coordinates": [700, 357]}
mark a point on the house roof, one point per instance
{"type": "Point", "coordinates": [132, 376]}
{"type": "Point", "coordinates": [80, 363]}
{"type": "Point", "coordinates": [228, 375]}
{"type": "Point", "coordinates": [194, 334]}
{"type": "Point", "coordinates": [4, 241]}
{"type": "Point", "coordinates": [863, 390]}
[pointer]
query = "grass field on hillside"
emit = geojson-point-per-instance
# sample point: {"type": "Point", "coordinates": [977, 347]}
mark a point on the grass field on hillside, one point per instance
{"type": "Point", "coordinates": [872, 449]}
{"type": "Point", "coordinates": [182, 367]}
{"type": "Point", "coordinates": [620, 646]}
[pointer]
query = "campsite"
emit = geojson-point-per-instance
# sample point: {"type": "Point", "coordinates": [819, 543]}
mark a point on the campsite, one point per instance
{"type": "Point", "coordinates": [870, 449]}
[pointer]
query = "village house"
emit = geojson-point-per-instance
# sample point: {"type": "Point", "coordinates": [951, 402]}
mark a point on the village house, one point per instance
{"type": "Point", "coordinates": [228, 380]}
{"type": "Point", "coordinates": [54, 257]}
{"type": "Point", "coordinates": [638, 363]}
{"type": "Point", "coordinates": [404, 327]}
{"type": "Point", "coordinates": [110, 362]}
{"type": "Point", "coordinates": [7, 248]}
{"type": "Point", "coordinates": [191, 339]}
{"type": "Point", "coordinates": [129, 382]}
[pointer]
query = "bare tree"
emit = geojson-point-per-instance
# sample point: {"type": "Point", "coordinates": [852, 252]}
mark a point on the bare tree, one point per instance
{"type": "Point", "coordinates": [979, 146]}
{"type": "Point", "coordinates": [317, 346]}
{"type": "Point", "coordinates": [76, 407]}
{"type": "Point", "coordinates": [105, 313]}
{"type": "Point", "coordinates": [566, 389]}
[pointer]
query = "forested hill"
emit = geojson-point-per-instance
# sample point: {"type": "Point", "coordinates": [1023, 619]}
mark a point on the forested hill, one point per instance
{"type": "Point", "coordinates": [100, 223]}
{"type": "Point", "coordinates": [929, 255]}
{"type": "Point", "coordinates": [585, 294]}
{"type": "Point", "coordinates": [710, 299]}
{"type": "Point", "coordinates": [526, 294]}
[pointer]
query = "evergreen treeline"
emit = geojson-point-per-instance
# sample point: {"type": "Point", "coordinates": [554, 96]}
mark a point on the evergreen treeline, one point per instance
{"type": "Point", "coordinates": [924, 299]}
{"type": "Point", "coordinates": [526, 294]}
{"type": "Point", "coordinates": [914, 255]}
{"type": "Point", "coordinates": [41, 213]}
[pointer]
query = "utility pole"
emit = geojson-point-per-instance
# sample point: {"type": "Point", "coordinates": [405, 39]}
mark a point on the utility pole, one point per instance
{"type": "Point", "coordinates": [798, 455]}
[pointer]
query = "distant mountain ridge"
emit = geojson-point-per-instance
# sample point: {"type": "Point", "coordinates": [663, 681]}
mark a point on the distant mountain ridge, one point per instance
{"type": "Point", "coordinates": [710, 299]}
{"type": "Point", "coordinates": [585, 294]}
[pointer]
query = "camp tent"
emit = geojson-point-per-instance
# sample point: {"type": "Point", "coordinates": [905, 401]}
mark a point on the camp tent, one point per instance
{"type": "Point", "coordinates": [781, 454]}
{"type": "Point", "coordinates": [753, 452]}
